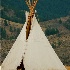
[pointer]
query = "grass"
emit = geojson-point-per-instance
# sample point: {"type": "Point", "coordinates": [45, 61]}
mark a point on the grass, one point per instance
{"type": "Point", "coordinates": [67, 67]}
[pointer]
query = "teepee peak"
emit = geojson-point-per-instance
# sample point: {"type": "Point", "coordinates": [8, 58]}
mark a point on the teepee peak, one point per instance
{"type": "Point", "coordinates": [31, 5]}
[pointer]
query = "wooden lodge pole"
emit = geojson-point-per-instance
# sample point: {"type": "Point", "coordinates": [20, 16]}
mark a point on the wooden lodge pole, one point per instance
{"type": "Point", "coordinates": [31, 7]}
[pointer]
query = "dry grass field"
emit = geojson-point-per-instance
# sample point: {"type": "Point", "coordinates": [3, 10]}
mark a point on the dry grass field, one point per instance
{"type": "Point", "coordinates": [67, 67]}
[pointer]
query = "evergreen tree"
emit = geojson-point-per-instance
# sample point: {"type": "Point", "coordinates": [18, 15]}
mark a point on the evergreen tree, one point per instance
{"type": "Point", "coordinates": [53, 46]}
{"type": "Point", "coordinates": [51, 31]}
{"type": "Point", "coordinates": [3, 33]}
{"type": "Point", "coordinates": [11, 29]}
{"type": "Point", "coordinates": [60, 21]}
{"type": "Point", "coordinates": [14, 29]}
{"type": "Point", "coordinates": [12, 37]}
{"type": "Point", "coordinates": [5, 23]}
{"type": "Point", "coordinates": [18, 31]}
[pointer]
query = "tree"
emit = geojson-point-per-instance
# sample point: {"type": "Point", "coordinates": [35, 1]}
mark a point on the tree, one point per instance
{"type": "Point", "coordinates": [68, 20]}
{"type": "Point", "coordinates": [60, 21]}
{"type": "Point", "coordinates": [53, 46]}
{"type": "Point", "coordinates": [5, 23]}
{"type": "Point", "coordinates": [18, 30]}
{"type": "Point", "coordinates": [51, 31]}
{"type": "Point", "coordinates": [14, 29]}
{"type": "Point", "coordinates": [12, 37]}
{"type": "Point", "coordinates": [59, 43]}
{"type": "Point", "coordinates": [67, 25]}
{"type": "Point", "coordinates": [58, 35]}
{"type": "Point", "coordinates": [3, 33]}
{"type": "Point", "coordinates": [11, 30]}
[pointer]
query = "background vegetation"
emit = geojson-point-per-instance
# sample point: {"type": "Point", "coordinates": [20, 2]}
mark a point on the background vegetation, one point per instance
{"type": "Point", "coordinates": [46, 9]}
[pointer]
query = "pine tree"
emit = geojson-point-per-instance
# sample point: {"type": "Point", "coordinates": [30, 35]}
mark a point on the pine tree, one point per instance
{"type": "Point", "coordinates": [11, 30]}
{"type": "Point", "coordinates": [5, 23]}
{"type": "Point", "coordinates": [3, 33]}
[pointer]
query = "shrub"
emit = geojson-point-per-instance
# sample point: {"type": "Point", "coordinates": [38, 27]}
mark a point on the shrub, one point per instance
{"type": "Point", "coordinates": [3, 33]}
{"type": "Point", "coordinates": [67, 25]}
{"type": "Point", "coordinates": [11, 29]}
{"type": "Point", "coordinates": [5, 23]}
{"type": "Point", "coordinates": [60, 21]}
{"type": "Point", "coordinates": [53, 46]}
{"type": "Point", "coordinates": [51, 31]}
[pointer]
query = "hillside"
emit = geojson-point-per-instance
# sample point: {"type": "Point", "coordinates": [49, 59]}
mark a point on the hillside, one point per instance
{"type": "Point", "coordinates": [46, 9]}
{"type": "Point", "coordinates": [10, 29]}
{"type": "Point", "coordinates": [60, 41]}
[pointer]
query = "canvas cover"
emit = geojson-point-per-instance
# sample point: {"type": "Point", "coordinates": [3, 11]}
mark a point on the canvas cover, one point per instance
{"type": "Point", "coordinates": [39, 54]}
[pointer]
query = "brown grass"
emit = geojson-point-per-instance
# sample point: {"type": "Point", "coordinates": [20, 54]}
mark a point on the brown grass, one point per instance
{"type": "Point", "coordinates": [67, 67]}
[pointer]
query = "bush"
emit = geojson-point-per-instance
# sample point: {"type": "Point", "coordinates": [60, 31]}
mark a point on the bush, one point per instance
{"type": "Point", "coordinates": [59, 43]}
{"type": "Point", "coordinates": [18, 31]}
{"type": "Point", "coordinates": [60, 21]}
{"type": "Point", "coordinates": [11, 29]}
{"type": "Point", "coordinates": [53, 46]}
{"type": "Point", "coordinates": [3, 33]}
{"type": "Point", "coordinates": [12, 37]}
{"type": "Point", "coordinates": [5, 23]}
{"type": "Point", "coordinates": [67, 25]}
{"type": "Point", "coordinates": [51, 31]}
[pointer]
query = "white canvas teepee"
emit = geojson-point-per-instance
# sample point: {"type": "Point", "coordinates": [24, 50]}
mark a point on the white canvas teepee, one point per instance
{"type": "Point", "coordinates": [16, 53]}
{"type": "Point", "coordinates": [36, 52]}
{"type": "Point", "coordinates": [0, 67]}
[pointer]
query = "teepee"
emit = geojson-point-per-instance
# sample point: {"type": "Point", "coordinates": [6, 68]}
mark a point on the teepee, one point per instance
{"type": "Point", "coordinates": [33, 52]}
